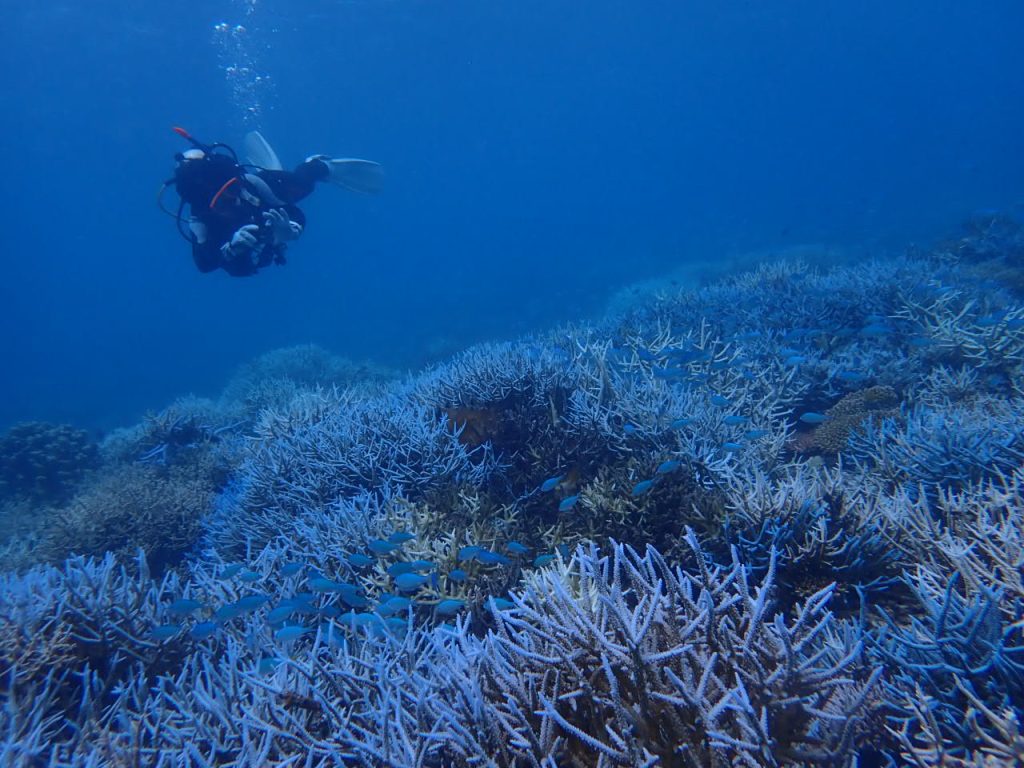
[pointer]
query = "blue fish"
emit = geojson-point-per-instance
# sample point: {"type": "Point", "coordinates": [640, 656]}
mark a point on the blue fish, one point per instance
{"type": "Point", "coordinates": [852, 377]}
{"type": "Point", "coordinates": [668, 373]}
{"type": "Point", "coordinates": [393, 605]}
{"type": "Point", "coordinates": [680, 423]}
{"type": "Point", "coordinates": [551, 483]}
{"type": "Point", "coordinates": [423, 565]}
{"type": "Point", "coordinates": [469, 553]}
{"type": "Point", "coordinates": [668, 466]}
{"type": "Point", "coordinates": [381, 547]}
{"type": "Point", "coordinates": [502, 604]}
{"type": "Point", "coordinates": [458, 575]}
{"type": "Point", "coordinates": [733, 421]}
{"type": "Point", "coordinates": [875, 330]}
{"type": "Point", "coordinates": [333, 611]}
{"type": "Point", "coordinates": [251, 602]}
{"type": "Point", "coordinates": [450, 607]}
{"type": "Point", "coordinates": [249, 576]}
{"type": "Point", "coordinates": [183, 607]}
{"type": "Point", "coordinates": [920, 341]}
{"type": "Point", "coordinates": [813, 418]}
{"type": "Point", "coordinates": [279, 614]}
{"type": "Point", "coordinates": [568, 503]}
{"type": "Point", "coordinates": [397, 569]}
{"type": "Point", "coordinates": [410, 582]}
{"type": "Point", "coordinates": [795, 360]}
{"type": "Point", "coordinates": [630, 429]}
{"type": "Point", "coordinates": [642, 487]}
{"type": "Point", "coordinates": [401, 537]}
{"type": "Point", "coordinates": [230, 571]}
{"type": "Point", "coordinates": [355, 600]}
{"type": "Point", "coordinates": [291, 569]}
{"type": "Point", "coordinates": [290, 633]}
{"type": "Point", "coordinates": [268, 664]}
{"type": "Point", "coordinates": [486, 557]}
{"type": "Point", "coordinates": [541, 560]}
{"type": "Point", "coordinates": [203, 630]}
{"type": "Point", "coordinates": [360, 560]}
{"type": "Point", "coordinates": [165, 631]}
{"type": "Point", "coordinates": [754, 434]}
{"type": "Point", "coordinates": [730, 447]}
{"type": "Point", "coordinates": [355, 620]}
{"type": "Point", "coordinates": [720, 401]}
{"type": "Point", "coordinates": [227, 613]}
{"type": "Point", "coordinates": [519, 549]}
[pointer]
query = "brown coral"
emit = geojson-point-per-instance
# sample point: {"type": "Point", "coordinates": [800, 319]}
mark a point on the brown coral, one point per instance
{"type": "Point", "coordinates": [849, 413]}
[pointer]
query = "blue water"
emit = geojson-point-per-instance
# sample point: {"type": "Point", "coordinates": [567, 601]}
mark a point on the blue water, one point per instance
{"type": "Point", "coordinates": [539, 156]}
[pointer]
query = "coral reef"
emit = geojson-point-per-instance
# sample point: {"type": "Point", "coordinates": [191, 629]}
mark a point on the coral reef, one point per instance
{"type": "Point", "coordinates": [774, 521]}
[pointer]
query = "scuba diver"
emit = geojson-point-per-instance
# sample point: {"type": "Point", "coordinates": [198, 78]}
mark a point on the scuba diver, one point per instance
{"type": "Point", "coordinates": [241, 216]}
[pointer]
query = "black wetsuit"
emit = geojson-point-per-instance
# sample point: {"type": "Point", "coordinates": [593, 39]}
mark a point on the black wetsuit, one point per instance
{"type": "Point", "coordinates": [221, 199]}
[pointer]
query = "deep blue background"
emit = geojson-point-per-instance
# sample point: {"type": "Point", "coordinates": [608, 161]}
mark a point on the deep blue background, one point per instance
{"type": "Point", "coordinates": [539, 154]}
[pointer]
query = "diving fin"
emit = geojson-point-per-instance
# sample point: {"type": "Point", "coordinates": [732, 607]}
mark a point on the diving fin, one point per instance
{"type": "Point", "coordinates": [260, 153]}
{"type": "Point", "coordinates": [358, 175]}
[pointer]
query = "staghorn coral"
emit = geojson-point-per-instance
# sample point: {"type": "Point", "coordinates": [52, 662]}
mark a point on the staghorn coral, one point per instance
{"type": "Point", "coordinates": [132, 507]}
{"type": "Point", "coordinates": [850, 413]}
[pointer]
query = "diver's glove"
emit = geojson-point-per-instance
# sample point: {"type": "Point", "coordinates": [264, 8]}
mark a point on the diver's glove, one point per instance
{"type": "Point", "coordinates": [244, 244]}
{"type": "Point", "coordinates": [284, 229]}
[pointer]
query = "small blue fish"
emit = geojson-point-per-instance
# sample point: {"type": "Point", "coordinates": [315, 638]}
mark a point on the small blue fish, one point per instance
{"type": "Point", "coordinates": [748, 336]}
{"type": "Point", "coordinates": [458, 575]}
{"type": "Point", "coordinates": [730, 447]}
{"type": "Point", "coordinates": [230, 571]}
{"type": "Point", "coordinates": [990, 321]}
{"type": "Point", "coordinates": [183, 607]}
{"type": "Point", "coordinates": [642, 487]}
{"type": "Point", "coordinates": [393, 605]}
{"type": "Point", "coordinates": [397, 569]}
{"type": "Point", "coordinates": [360, 560]}
{"type": "Point", "coordinates": [450, 607]}
{"type": "Point", "coordinates": [666, 467]}
{"type": "Point", "coordinates": [630, 429]}
{"type": "Point", "coordinates": [423, 565]}
{"type": "Point", "coordinates": [646, 355]}
{"type": "Point", "coordinates": [541, 560]}
{"type": "Point", "coordinates": [268, 664]}
{"type": "Point", "coordinates": [920, 341]}
{"type": "Point", "coordinates": [332, 611]}
{"type": "Point", "coordinates": [502, 604]}
{"type": "Point", "coordinates": [227, 612]}
{"type": "Point", "coordinates": [356, 620]}
{"type": "Point", "coordinates": [322, 584]}
{"type": "Point", "coordinates": [469, 553]}
{"type": "Point", "coordinates": [291, 569]}
{"type": "Point", "coordinates": [165, 632]}
{"type": "Point", "coordinates": [793, 360]}
{"type": "Point", "coordinates": [290, 633]}
{"type": "Point", "coordinates": [680, 423]}
{"type": "Point", "coordinates": [410, 582]}
{"type": "Point", "coordinates": [551, 483]}
{"type": "Point", "coordinates": [355, 600]}
{"type": "Point", "coordinates": [754, 434]}
{"type": "Point", "coordinates": [788, 351]}
{"type": "Point", "coordinates": [720, 401]}
{"type": "Point", "coordinates": [252, 602]}
{"type": "Point", "coordinates": [401, 537]}
{"type": "Point", "coordinates": [381, 547]}
{"type": "Point", "coordinates": [875, 330]}
{"type": "Point", "coordinates": [813, 418]}
{"type": "Point", "coordinates": [519, 549]}
{"type": "Point", "coordinates": [568, 503]}
{"type": "Point", "coordinates": [734, 421]}
{"type": "Point", "coordinates": [853, 377]}
{"type": "Point", "coordinates": [203, 630]}
{"type": "Point", "coordinates": [486, 557]}
{"type": "Point", "coordinates": [668, 373]}
{"type": "Point", "coordinates": [279, 614]}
